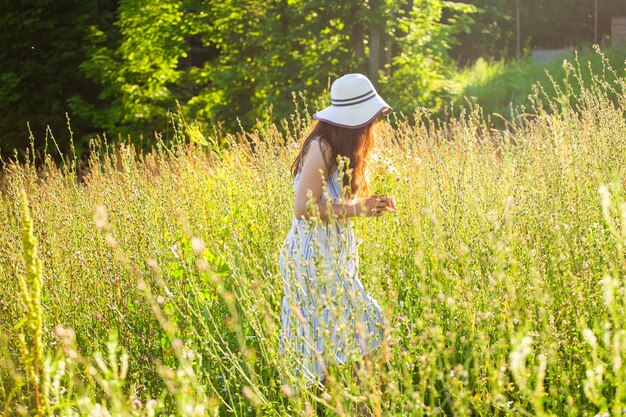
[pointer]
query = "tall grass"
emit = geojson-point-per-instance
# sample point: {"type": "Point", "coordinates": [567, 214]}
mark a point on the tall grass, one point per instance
{"type": "Point", "coordinates": [501, 276]}
{"type": "Point", "coordinates": [507, 88]}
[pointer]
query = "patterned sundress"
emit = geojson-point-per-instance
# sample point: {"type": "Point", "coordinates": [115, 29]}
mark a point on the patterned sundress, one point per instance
{"type": "Point", "coordinates": [327, 317]}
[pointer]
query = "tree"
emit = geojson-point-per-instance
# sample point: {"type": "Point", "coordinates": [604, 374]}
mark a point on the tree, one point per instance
{"type": "Point", "coordinates": [233, 62]}
{"type": "Point", "coordinates": [40, 51]}
{"type": "Point", "coordinates": [136, 64]}
{"type": "Point", "coordinates": [420, 70]}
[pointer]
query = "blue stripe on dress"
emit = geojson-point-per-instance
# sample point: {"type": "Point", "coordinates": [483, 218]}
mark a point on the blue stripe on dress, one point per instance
{"type": "Point", "coordinates": [313, 253]}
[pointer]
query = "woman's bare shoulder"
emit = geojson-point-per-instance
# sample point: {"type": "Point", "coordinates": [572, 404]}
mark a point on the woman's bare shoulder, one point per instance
{"type": "Point", "coordinates": [321, 146]}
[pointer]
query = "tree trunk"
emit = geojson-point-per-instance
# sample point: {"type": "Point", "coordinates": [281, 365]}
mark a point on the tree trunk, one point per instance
{"type": "Point", "coordinates": [375, 42]}
{"type": "Point", "coordinates": [392, 45]}
{"type": "Point", "coordinates": [357, 38]}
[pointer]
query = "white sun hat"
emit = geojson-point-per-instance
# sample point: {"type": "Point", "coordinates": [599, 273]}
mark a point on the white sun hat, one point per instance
{"type": "Point", "coordinates": [354, 103]}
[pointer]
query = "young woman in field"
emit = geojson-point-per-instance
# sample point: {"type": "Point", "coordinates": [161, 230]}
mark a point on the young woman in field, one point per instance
{"type": "Point", "coordinates": [327, 317]}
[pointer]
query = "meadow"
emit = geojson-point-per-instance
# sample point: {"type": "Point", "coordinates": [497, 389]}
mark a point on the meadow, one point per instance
{"type": "Point", "coordinates": [503, 87]}
{"type": "Point", "coordinates": [150, 286]}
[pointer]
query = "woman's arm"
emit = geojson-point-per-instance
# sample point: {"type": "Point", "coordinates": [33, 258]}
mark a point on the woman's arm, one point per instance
{"type": "Point", "coordinates": [310, 187]}
{"type": "Point", "coordinates": [374, 206]}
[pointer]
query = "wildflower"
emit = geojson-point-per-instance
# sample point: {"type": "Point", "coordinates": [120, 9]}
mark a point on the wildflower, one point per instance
{"type": "Point", "coordinates": [287, 390]}
{"type": "Point", "coordinates": [152, 264]}
{"type": "Point", "coordinates": [605, 196]}
{"type": "Point", "coordinates": [100, 218]}
{"type": "Point", "coordinates": [590, 338]}
{"type": "Point", "coordinates": [198, 246]}
{"type": "Point", "coordinates": [608, 290]}
{"type": "Point", "coordinates": [202, 265]}
{"type": "Point", "coordinates": [517, 360]}
{"type": "Point", "coordinates": [110, 240]}
{"type": "Point", "coordinates": [251, 395]}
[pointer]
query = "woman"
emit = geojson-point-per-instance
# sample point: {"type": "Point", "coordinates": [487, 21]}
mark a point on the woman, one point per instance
{"type": "Point", "coordinates": [327, 317]}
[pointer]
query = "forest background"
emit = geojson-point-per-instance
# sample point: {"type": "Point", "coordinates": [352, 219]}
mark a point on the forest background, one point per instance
{"type": "Point", "coordinates": [119, 68]}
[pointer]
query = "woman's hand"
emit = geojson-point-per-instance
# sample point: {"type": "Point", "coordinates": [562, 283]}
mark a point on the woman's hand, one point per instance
{"type": "Point", "coordinates": [377, 205]}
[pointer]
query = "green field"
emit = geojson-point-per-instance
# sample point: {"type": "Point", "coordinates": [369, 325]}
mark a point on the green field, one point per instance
{"type": "Point", "coordinates": [504, 87]}
{"type": "Point", "coordinates": [154, 286]}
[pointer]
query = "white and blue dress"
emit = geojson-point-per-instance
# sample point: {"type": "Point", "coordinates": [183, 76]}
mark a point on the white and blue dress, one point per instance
{"type": "Point", "coordinates": [327, 317]}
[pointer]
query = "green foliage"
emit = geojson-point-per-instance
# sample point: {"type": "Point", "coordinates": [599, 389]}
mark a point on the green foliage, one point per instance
{"type": "Point", "coordinates": [120, 67]}
{"type": "Point", "coordinates": [517, 86]}
{"type": "Point", "coordinates": [137, 70]}
{"type": "Point", "coordinates": [421, 74]}
{"type": "Point", "coordinates": [41, 48]}
{"type": "Point", "coordinates": [261, 54]}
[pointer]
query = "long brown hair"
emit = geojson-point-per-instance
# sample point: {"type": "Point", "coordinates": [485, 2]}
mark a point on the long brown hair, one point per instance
{"type": "Point", "coordinates": [353, 144]}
